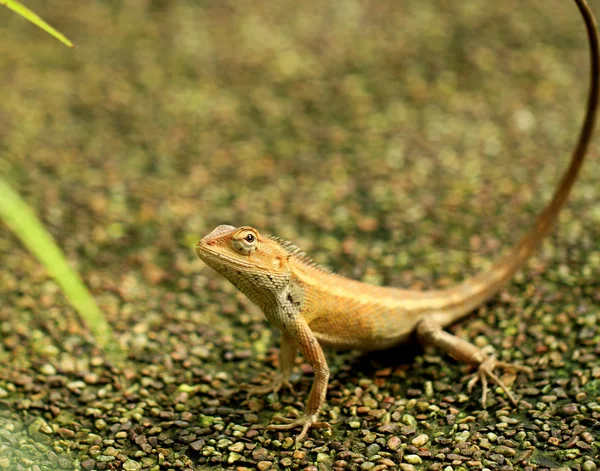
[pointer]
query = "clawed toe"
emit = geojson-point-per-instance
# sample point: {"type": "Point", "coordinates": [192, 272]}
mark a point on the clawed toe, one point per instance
{"type": "Point", "coordinates": [486, 370]}
{"type": "Point", "coordinates": [273, 387]}
{"type": "Point", "coordinates": [306, 422]}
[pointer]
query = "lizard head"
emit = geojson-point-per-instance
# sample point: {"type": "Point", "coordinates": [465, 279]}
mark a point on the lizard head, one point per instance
{"type": "Point", "coordinates": [240, 252]}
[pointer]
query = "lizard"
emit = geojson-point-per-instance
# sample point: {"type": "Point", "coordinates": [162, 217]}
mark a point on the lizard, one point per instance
{"type": "Point", "coordinates": [315, 308]}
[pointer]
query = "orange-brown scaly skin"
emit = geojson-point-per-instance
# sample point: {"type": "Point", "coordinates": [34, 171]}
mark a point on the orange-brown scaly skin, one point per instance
{"type": "Point", "coordinates": [315, 308]}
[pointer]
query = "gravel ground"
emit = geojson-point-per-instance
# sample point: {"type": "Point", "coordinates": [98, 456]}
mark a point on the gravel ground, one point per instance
{"type": "Point", "coordinates": [401, 143]}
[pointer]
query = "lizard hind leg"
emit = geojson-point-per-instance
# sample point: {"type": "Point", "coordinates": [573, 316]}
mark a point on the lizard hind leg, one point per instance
{"type": "Point", "coordinates": [274, 386]}
{"type": "Point", "coordinates": [431, 333]}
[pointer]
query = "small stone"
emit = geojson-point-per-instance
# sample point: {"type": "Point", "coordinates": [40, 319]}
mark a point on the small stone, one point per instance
{"type": "Point", "coordinates": [65, 433]}
{"type": "Point", "coordinates": [462, 436]}
{"type": "Point", "coordinates": [354, 424]}
{"type": "Point", "coordinates": [377, 413]}
{"type": "Point", "coordinates": [223, 443]}
{"type": "Point", "coordinates": [323, 458]}
{"type": "Point", "coordinates": [233, 457]}
{"type": "Point", "coordinates": [569, 409]}
{"type": "Point", "coordinates": [582, 445]}
{"type": "Point", "coordinates": [420, 440]}
{"type": "Point", "coordinates": [3, 393]}
{"type": "Point", "coordinates": [389, 428]}
{"type": "Point", "coordinates": [373, 449]}
{"type": "Point", "coordinates": [236, 447]}
{"type": "Point", "coordinates": [407, 467]}
{"type": "Point", "coordinates": [504, 450]}
{"type": "Point", "coordinates": [589, 466]}
{"type": "Point", "coordinates": [131, 465]}
{"type": "Point", "coordinates": [88, 464]}
{"type": "Point", "coordinates": [588, 437]}
{"type": "Point", "coordinates": [38, 430]}
{"type": "Point", "coordinates": [369, 438]}
{"type": "Point", "coordinates": [484, 443]}
{"type": "Point", "coordinates": [4, 463]}
{"type": "Point", "coordinates": [251, 418]}
{"type": "Point", "coordinates": [148, 461]}
{"type": "Point", "coordinates": [394, 443]}
{"type": "Point", "coordinates": [197, 445]}
{"type": "Point", "coordinates": [263, 465]}
{"type": "Point", "coordinates": [260, 454]}
{"type": "Point", "coordinates": [111, 451]}
{"type": "Point", "coordinates": [90, 378]}
{"type": "Point", "coordinates": [100, 424]}
{"type": "Point", "coordinates": [48, 370]}
{"type": "Point", "coordinates": [413, 459]}
{"type": "Point", "coordinates": [367, 465]}
{"type": "Point", "coordinates": [408, 419]}
{"type": "Point", "coordinates": [73, 385]}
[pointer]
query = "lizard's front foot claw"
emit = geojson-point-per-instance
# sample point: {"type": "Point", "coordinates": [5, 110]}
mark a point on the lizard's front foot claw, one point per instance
{"type": "Point", "coordinates": [486, 370]}
{"type": "Point", "coordinates": [304, 421]}
{"type": "Point", "coordinates": [273, 387]}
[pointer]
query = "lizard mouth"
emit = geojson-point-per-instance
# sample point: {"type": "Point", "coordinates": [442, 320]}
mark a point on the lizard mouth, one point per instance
{"type": "Point", "coordinates": [216, 259]}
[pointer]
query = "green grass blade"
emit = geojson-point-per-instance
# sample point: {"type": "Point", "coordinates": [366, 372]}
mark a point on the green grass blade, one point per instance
{"type": "Point", "coordinates": [23, 222]}
{"type": "Point", "coordinates": [26, 13]}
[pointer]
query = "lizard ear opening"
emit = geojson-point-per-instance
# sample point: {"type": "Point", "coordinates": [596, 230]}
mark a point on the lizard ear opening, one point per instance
{"type": "Point", "coordinates": [245, 242]}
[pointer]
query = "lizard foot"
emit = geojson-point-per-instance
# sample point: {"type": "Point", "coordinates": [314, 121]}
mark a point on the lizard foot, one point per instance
{"type": "Point", "coordinates": [304, 421]}
{"type": "Point", "coordinates": [486, 370]}
{"type": "Point", "coordinates": [273, 387]}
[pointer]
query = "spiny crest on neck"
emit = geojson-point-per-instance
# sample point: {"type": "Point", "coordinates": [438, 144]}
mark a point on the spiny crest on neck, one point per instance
{"type": "Point", "coordinates": [297, 253]}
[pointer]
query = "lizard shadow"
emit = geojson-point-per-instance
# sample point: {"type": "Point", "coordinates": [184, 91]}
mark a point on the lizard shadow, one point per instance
{"type": "Point", "coordinates": [391, 357]}
{"type": "Point", "coordinates": [357, 365]}
{"type": "Point", "coordinates": [401, 371]}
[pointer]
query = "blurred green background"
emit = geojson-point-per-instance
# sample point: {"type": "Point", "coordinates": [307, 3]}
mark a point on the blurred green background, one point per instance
{"type": "Point", "coordinates": [404, 143]}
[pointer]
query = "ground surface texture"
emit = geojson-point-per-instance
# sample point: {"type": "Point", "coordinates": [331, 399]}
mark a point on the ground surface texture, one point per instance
{"type": "Point", "coordinates": [401, 143]}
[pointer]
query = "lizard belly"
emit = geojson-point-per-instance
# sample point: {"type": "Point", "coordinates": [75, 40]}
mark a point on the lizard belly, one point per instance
{"type": "Point", "coordinates": [367, 331]}
{"type": "Point", "coordinates": [346, 314]}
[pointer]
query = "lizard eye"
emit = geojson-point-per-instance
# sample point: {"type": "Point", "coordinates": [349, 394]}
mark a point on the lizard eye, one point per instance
{"type": "Point", "coordinates": [245, 243]}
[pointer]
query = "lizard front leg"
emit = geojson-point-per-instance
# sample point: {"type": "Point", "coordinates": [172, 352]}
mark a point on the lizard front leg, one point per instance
{"type": "Point", "coordinates": [287, 357]}
{"type": "Point", "coordinates": [430, 332]}
{"type": "Point", "coordinates": [300, 332]}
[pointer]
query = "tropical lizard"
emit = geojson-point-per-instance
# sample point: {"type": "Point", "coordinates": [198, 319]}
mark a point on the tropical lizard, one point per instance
{"type": "Point", "coordinates": [313, 307]}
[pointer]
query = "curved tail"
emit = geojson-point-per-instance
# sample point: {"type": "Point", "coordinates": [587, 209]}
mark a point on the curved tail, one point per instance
{"type": "Point", "coordinates": [472, 292]}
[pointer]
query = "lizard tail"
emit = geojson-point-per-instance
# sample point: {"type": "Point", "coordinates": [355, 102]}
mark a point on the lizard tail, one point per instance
{"type": "Point", "coordinates": [476, 290]}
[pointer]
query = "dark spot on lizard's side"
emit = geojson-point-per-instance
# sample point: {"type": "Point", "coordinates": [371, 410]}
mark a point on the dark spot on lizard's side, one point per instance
{"type": "Point", "coordinates": [295, 294]}
{"type": "Point", "coordinates": [289, 307]}
{"type": "Point", "coordinates": [295, 302]}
